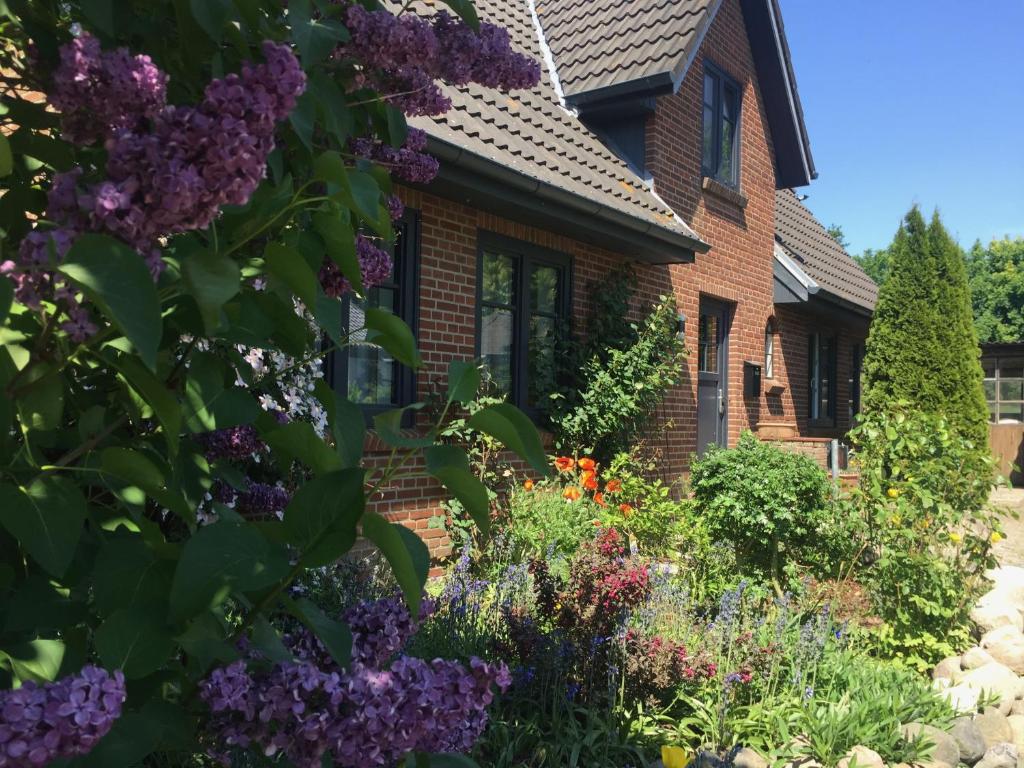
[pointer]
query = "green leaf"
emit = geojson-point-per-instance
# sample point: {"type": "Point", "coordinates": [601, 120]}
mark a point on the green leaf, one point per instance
{"type": "Point", "coordinates": [41, 407]}
{"type": "Point", "coordinates": [267, 641]}
{"type": "Point", "coordinates": [158, 726]}
{"type": "Point", "coordinates": [336, 230]}
{"type": "Point", "coordinates": [117, 280]}
{"type": "Point", "coordinates": [6, 157]}
{"type": "Point", "coordinates": [405, 552]}
{"type": "Point", "coordinates": [298, 441]}
{"type": "Point", "coordinates": [156, 394]}
{"type": "Point", "coordinates": [328, 317]}
{"type": "Point", "coordinates": [320, 521]}
{"type": "Point", "coordinates": [128, 575]}
{"type": "Point", "coordinates": [364, 194]}
{"type": "Point", "coordinates": [99, 13]}
{"type": "Point", "coordinates": [6, 298]}
{"type": "Point", "coordinates": [39, 605]}
{"type": "Point", "coordinates": [212, 279]}
{"type": "Point", "coordinates": [37, 660]}
{"type": "Point", "coordinates": [134, 640]}
{"type": "Point", "coordinates": [450, 466]}
{"type": "Point", "coordinates": [288, 266]}
{"type": "Point", "coordinates": [465, 10]}
{"type": "Point", "coordinates": [315, 39]}
{"type": "Point", "coordinates": [131, 466]}
{"type": "Point", "coordinates": [348, 427]}
{"type": "Point", "coordinates": [511, 427]}
{"type": "Point", "coordinates": [391, 333]}
{"type": "Point", "coordinates": [211, 15]}
{"type": "Point", "coordinates": [388, 426]}
{"type": "Point", "coordinates": [46, 518]}
{"type": "Point", "coordinates": [445, 760]}
{"type": "Point", "coordinates": [463, 381]}
{"type": "Point", "coordinates": [221, 558]}
{"type": "Point", "coordinates": [329, 167]}
{"type": "Point", "coordinates": [335, 635]}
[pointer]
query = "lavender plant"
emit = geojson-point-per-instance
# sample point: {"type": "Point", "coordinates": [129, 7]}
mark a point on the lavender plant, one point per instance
{"type": "Point", "coordinates": [186, 188]}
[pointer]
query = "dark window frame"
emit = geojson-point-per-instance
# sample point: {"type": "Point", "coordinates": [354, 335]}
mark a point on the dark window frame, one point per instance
{"type": "Point", "coordinates": [856, 368]}
{"type": "Point", "coordinates": [407, 270]}
{"type": "Point", "coordinates": [722, 81]}
{"type": "Point", "coordinates": [524, 255]}
{"type": "Point", "coordinates": [998, 363]}
{"type": "Point", "coordinates": [816, 418]}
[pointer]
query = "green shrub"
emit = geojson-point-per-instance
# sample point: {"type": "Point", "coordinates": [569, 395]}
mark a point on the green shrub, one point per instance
{"type": "Point", "coordinates": [923, 493]}
{"type": "Point", "coordinates": [775, 507]}
{"type": "Point", "coordinates": [623, 390]}
{"type": "Point", "coordinates": [540, 523]}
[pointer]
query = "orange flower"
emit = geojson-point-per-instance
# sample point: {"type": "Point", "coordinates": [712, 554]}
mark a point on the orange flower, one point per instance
{"type": "Point", "coordinates": [626, 510]}
{"type": "Point", "coordinates": [528, 485]}
{"type": "Point", "coordinates": [589, 480]}
{"type": "Point", "coordinates": [587, 463]}
{"type": "Point", "coordinates": [613, 486]}
{"type": "Point", "coordinates": [597, 523]}
{"type": "Point", "coordinates": [572, 493]}
{"type": "Point", "coordinates": [599, 499]}
{"type": "Point", "coordinates": [564, 463]}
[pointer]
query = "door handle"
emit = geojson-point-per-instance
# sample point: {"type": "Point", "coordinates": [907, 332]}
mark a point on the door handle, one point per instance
{"type": "Point", "coordinates": [721, 402]}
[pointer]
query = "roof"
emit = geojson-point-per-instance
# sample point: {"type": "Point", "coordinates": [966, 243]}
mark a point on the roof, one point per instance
{"type": "Point", "coordinates": [599, 43]}
{"type": "Point", "coordinates": [819, 256]}
{"type": "Point", "coordinates": [606, 49]}
{"type": "Point", "coordinates": [530, 133]}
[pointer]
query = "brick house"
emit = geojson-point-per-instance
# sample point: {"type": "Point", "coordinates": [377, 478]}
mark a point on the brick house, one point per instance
{"type": "Point", "coordinates": [666, 134]}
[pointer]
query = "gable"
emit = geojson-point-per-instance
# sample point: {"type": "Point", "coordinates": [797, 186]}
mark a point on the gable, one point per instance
{"type": "Point", "coordinates": [610, 50]}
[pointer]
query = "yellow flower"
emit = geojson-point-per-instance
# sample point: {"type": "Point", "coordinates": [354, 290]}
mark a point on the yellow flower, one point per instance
{"type": "Point", "coordinates": [895, 519]}
{"type": "Point", "coordinates": [893, 493]}
{"type": "Point", "coordinates": [996, 537]}
{"type": "Point", "coordinates": [956, 538]}
{"type": "Point", "coordinates": [674, 757]}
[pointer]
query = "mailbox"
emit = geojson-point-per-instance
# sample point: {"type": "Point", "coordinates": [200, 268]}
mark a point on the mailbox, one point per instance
{"type": "Point", "coordinates": [751, 379]}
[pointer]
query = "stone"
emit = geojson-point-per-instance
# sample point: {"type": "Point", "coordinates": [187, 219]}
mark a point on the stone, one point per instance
{"type": "Point", "coordinates": [976, 657]}
{"type": "Point", "coordinates": [946, 668]}
{"type": "Point", "coordinates": [941, 683]}
{"type": "Point", "coordinates": [749, 758]}
{"type": "Point", "coordinates": [861, 757]}
{"type": "Point", "coordinates": [946, 749]}
{"type": "Point", "coordinates": [994, 728]}
{"type": "Point", "coordinates": [1005, 645]}
{"type": "Point", "coordinates": [1002, 605]}
{"type": "Point", "coordinates": [999, 756]}
{"type": "Point", "coordinates": [993, 678]}
{"type": "Point", "coordinates": [1017, 708]}
{"type": "Point", "coordinates": [1017, 726]}
{"type": "Point", "coordinates": [1008, 581]}
{"type": "Point", "coordinates": [962, 699]}
{"type": "Point", "coordinates": [969, 739]}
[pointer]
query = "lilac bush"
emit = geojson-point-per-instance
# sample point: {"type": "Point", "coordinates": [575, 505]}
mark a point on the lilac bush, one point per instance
{"type": "Point", "coordinates": [62, 719]}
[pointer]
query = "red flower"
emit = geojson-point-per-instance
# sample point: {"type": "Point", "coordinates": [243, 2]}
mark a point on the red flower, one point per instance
{"type": "Point", "coordinates": [564, 463]}
{"type": "Point", "coordinates": [613, 486]}
{"type": "Point", "coordinates": [587, 463]}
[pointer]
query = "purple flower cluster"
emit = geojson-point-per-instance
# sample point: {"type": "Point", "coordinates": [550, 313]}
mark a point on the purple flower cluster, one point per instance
{"type": "Point", "coordinates": [262, 500]}
{"type": "Point", "coordinates": [374, 264]}
{"type": "Point", "coordinates": [101, 94]}
{"type": "Point", "coordinates": [235, 443]}
{"type": "Point", "coordinates": [169, 168]}
{"type": "Point", "coordinates": [403, 56]}
{"type": "Point", "coordinates": [40, 724]}
{"type": "Point", "coordinates": [368, 715]}
{"type": "Point", "coordinates": [380, 629]}
{"type": "Point", "coordinates": [408, 162]}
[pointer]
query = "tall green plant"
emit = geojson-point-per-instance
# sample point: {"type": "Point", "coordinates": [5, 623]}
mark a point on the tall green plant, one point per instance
{"type": "Point", "coordinates": [922, 349]}
{"type": "Point", "coordinates": [623, 391]}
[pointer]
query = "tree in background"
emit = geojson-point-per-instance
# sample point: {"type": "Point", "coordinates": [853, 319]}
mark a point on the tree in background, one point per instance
{"type": "Point", "coordinates": [922, 349]}
{"type": "Point", "coordinates": [996, 275]}
{"type": "Point", "coordinates": [875, 263]}
{"type": "Point", "coordinates": [835, 231]}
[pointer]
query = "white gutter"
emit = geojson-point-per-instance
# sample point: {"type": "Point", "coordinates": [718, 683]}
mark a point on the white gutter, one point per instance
{"type": "Point", "coordinates": [790, 265]}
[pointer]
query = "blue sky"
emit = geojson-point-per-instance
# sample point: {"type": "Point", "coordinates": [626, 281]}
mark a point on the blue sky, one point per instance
{"type": "Point", "coordinates": [913, 101]}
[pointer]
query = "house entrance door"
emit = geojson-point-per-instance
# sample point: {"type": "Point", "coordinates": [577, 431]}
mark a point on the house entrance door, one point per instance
{"type": "Point", "coordinates": [712, 375]}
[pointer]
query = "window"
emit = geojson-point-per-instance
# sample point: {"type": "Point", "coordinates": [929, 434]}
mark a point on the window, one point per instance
{"type": "Point", "coordinates": [721, 127]}
{"type": "Point", "coordinates": [523, 311]}
{"type": "Point", "coordinates": [366, 374]}
{"type": "Point", "coordinates": [707, 344]}
{"type": "Point", "coordinates": [1004, 389]}
{"type": "Point", "coordinates": [770, 330]}
{"type": "Point", "coordinates": [822, 369]}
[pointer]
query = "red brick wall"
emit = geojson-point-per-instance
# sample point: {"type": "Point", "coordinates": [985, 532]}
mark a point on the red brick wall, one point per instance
{"type": "Point", "coordinates": [738, 268]}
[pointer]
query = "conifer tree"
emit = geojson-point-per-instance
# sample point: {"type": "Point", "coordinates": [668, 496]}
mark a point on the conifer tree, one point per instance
{"type": "Point", "coordinates": [922, 349]}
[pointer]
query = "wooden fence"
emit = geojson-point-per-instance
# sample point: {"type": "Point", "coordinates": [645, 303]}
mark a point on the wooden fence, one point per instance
{"type": "Point", "coordinates": [1007, 443]}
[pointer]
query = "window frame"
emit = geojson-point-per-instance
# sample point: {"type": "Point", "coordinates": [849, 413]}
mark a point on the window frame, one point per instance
{"type": "Point", "coordinates": [815, 417]}
{"type": "Point", "coordinates": [407, 268]}
{"type": "Point", "coordinates": [771, 332]}
{"type": "Point", "coordinates": [995, 405]}
{"type": "Point", "coordinates": [722, 80]}
{"type": "Point", "coordinates": [524, 255]}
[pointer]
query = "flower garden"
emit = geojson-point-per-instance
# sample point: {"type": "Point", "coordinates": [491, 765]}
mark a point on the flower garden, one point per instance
{"type": "Point", "coordinates": [183, 499]}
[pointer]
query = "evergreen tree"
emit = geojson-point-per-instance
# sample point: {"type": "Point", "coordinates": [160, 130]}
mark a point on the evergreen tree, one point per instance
{"type": "Point", "coordinates": [922, 348]}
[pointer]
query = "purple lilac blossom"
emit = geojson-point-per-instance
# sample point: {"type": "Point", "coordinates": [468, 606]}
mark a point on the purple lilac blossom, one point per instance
{"type": "Point", "coordinates": [236, 443]}
{"type": "Point", "coordinates": [380, 629]}
{"type": "Point", "coordinates": [403, 56]}
{"type": "Point", "coordinates": [100, 94]}
{"type": "Point", "coordinates": [396, 208]}
{"type": "Point", "coordinates": [62, 719]}
{"type": "Point", "coordinates": [374, 264]}
{"type": "Point", "coordinates": [408, 162]}
{"type": "Point", "coordinates": [262, 500]}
